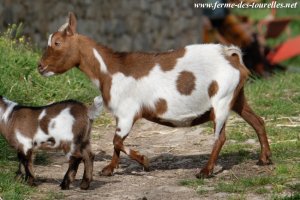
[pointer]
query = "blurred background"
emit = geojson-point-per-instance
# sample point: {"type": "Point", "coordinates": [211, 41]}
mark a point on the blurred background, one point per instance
{"type": "Point", "coordinates": [121, 24]}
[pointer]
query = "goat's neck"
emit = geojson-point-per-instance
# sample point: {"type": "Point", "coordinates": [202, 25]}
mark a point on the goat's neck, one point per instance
{"type": "Point", "coordinates": [91, 66]}
{"type": "Point", "coordinates": [5, 128]}
{"type": "Point", "coordinates": [2, 131]}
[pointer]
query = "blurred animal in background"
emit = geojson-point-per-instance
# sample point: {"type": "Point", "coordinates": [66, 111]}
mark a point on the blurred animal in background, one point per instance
{"type": "Point", "coordinates": [221, 26]}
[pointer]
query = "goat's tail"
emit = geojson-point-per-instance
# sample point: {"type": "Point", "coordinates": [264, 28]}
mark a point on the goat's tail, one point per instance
{"type": "Point", "coordinates": [233, 51]}
{"type": "Point", "coordinates": [96, 108]}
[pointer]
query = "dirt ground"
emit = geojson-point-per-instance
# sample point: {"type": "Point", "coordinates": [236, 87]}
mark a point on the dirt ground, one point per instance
{"type": "Point", "coordinates": [175, 154]}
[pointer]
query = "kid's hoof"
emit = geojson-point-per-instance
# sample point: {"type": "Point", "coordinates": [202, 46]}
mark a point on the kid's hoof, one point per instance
{"type": "Point", "coordinates": [33, 184]}
{"type": "Point", "coordinates": [19, 177]}
{"type": "Point", "coordinates": [146, 164]}
{"type": "Point", "coordinates": [84, 185]}
{"type": "Point", "coordinates": [64, 186]}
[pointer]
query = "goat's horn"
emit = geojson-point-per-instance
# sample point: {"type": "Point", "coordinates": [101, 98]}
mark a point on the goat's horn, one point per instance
{"type": "Point", "coordinates": [63, 27]}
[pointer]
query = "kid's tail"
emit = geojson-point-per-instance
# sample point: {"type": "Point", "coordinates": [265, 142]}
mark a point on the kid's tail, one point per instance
{"type": "Point", "coordinates": [96, 108]}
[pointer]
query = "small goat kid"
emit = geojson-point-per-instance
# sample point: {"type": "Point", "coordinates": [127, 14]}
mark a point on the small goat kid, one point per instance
{"type": "Point", "coordinates": [64, 125]}
{"type": "Point", "coordinates": [183, 87]}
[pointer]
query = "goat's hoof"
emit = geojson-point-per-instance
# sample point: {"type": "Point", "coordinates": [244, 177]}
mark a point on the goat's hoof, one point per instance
{"type": "Point", "coordinates": [31, 182]}
{"type": "Point", "coordinates": [84, 185]}
{"type": "Point", "coordinates": [19, 177]}
{"type": "Point", "coordinates": [107, 171]}
{"type": "Point", "coordinates": [204, 173]}
{"type": "Point", "coordinates": [146, 164]}
{"type": "Point", "coordinates": [264, 162]}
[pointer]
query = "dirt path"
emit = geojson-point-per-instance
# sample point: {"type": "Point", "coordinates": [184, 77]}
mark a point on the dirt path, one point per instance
{"type": "Point", "coordinates": [175, 155]}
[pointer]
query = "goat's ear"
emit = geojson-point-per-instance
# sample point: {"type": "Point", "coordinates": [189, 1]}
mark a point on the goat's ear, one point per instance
{"type": "Point", "coordinates": [72, 24]}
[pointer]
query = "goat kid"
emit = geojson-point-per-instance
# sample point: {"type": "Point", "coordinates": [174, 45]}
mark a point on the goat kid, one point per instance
{"type": "Point", "coordinates": [64, 125]}
{"type": "Point", "coordinates": [183, 87]}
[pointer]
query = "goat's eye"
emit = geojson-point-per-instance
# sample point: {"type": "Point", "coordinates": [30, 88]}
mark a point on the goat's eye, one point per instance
{"type": "Point", "coordinates": [57, 43]}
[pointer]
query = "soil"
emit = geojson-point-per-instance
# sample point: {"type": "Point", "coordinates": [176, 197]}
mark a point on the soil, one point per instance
{"type": "Point", "coordinates": [175, 154]}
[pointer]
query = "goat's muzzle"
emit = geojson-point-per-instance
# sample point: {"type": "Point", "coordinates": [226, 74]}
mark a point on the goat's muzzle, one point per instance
{"type": "Point", "coordinates": [43, 69]}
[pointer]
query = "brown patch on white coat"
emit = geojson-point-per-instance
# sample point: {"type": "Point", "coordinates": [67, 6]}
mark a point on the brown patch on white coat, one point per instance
{"type": "Point", "coordinates": [64, 125]}
{"type": "Point", "coordinates": [184, 87]}
{"type": "Point", "coordinates": [186, 82]}
{"type": "Point", "coordinates": [213, 88]}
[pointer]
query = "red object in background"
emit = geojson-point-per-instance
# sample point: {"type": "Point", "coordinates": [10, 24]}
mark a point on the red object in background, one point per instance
{"type": "Point", "coordinates": [286, 50]}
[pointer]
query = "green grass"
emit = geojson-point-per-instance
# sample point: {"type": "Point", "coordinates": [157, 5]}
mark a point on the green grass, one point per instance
{"type": "Point", "coordinates": [52, 195]}
{"type": "Point", "coordinates": [193, 182]}
{"type": "Point", "coordinates": [290, 197]}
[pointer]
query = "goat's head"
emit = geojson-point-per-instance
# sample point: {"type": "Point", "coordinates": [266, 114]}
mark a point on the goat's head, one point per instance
{"type": "Point", "coordinates": [2, 110]}
{"type": "Point", "coordinates": [3, 105]}
{"type": "Point", "coordinates": [62, 52]}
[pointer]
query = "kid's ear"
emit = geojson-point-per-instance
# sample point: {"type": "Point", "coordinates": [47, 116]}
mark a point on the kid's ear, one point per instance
{"type": "Point", "coordinates": [69, 28]}
{"type": "Point", "coordinates": [72, 24]}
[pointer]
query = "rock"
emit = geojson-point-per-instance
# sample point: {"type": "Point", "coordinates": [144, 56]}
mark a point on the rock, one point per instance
{"type": "Point", "coordinates": [251, 141]}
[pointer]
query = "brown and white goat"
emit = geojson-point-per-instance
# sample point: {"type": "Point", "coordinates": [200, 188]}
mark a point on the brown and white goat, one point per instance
{"type": "Point", "coordinates": [184, 87]}
{"type": "Point", "coordinates": [64, 125]}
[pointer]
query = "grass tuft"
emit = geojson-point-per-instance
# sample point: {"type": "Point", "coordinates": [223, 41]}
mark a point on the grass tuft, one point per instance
{"type": "Point", "coordinates": [12, 189]}
{"type": "Point", "coordinates": [192, 183]}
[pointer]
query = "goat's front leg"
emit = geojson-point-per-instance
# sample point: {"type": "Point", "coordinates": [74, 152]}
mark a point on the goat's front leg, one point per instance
{"type": "Point", "coordinates": [122, 132]}
{"type": "Point", "coordinates": [19, 173]}
{"type": "Point", "coordinates": [109, 169]}
{"type": "Point", "coordinates": [206, 171]}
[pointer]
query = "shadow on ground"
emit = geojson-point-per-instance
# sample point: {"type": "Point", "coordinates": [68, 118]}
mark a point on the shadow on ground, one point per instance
{"type": "Point", "coordinates": [168, 161]}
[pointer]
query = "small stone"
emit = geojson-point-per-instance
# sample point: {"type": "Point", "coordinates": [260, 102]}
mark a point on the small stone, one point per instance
{"type": "Point", "coordinates": [251, 141]}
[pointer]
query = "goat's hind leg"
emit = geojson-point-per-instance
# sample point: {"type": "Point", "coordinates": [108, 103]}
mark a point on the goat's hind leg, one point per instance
{"type": "Point", "coordinates": [71, 173]}
{"type": "Point", "coordinates": [26, 160]}
{"type": "Point", "coordinates": [242, 108]}
{"type": "Point", "coordinates": [88, 160]}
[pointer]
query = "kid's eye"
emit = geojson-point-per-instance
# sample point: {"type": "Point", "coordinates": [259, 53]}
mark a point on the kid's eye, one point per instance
{"type": "Point", "coordinates": [57, 43]}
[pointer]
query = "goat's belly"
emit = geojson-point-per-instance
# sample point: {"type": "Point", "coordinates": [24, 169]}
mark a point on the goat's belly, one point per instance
{"type": "Point", "coordinates": [183, 118]}
{"type": "Point", "coordinates": [183, 122]}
